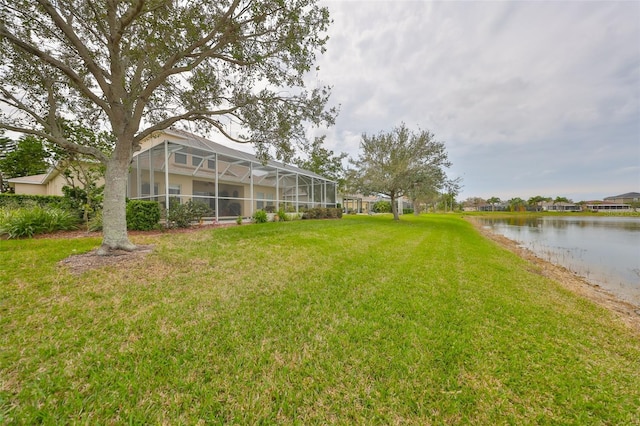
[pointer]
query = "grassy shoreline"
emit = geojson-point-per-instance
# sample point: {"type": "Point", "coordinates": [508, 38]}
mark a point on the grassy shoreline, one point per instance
{"type": "Point", "coordinates": [499, 214]}
{"type": "Point", "coordinates": [578, 284]}
{"type": "Point", "coordinates": [362, 320]}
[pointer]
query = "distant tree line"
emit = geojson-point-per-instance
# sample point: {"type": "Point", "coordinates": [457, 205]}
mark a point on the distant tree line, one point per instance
{"type": "Point", "coordinates": [513, 204]}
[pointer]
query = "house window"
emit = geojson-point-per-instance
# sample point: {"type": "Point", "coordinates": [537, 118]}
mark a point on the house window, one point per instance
{"type": "Point", "coordinates": [180, 158]}
{"type": "Point", "coordinates": [260, 202]}
{"type": "Point", "coordinates": [195, 161]}
{"type": "Point", "coordinates": [145, 190]}
{"type": "Point", "coordinates": [211, 164]}
{"type": "Point", "coordinates": [174, 190]}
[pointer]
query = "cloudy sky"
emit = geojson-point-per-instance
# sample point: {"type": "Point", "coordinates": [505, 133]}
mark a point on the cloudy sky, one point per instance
{"type": "Point", "coordinates": [531, 98]}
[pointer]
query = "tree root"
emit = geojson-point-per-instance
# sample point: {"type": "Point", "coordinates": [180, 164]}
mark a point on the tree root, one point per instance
{"type": "Point", "coordinates": [109, 249]}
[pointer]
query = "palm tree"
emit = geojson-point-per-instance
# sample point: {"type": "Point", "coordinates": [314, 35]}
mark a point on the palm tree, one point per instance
{"type": "Point", "coordinates": [493, 201]}
{"type": "Point", "coordinates": [516, 204]}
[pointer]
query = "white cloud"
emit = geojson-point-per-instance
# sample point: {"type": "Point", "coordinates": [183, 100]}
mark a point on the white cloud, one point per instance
{"type": "Point", "coordinates": [505, 84]}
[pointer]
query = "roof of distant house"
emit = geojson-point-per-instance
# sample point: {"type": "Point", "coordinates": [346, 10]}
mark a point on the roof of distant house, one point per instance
{"type": "Point", "coordinates": [33, 179]}
{"type": "Point", "coordinates": [627, 195]}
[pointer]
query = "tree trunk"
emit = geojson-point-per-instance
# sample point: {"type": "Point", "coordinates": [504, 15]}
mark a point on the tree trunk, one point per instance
{"type": "Point", "coordinates": [394, 207]}
{"type": "Point", "coordinates": [114, 216]}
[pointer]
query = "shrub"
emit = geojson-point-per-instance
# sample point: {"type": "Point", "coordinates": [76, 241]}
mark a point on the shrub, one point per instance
{"type": "Point", "coordinates": [260, 216]}
{"type": "Point", "coordinates": [178, 215]}
{"type": "Point", "coordinates": [382, 207]}
{"type": "Point", "coordinates": [182, 215]}
{"type": "Point", "coordinates": [87, 201]}
{"type": "Point", "coordinates": [141, 215]}
{"type": "Point", "coordinates": [282, 215]}
{"type": "Point", "coordinates": [24, 200]}
{"type": "Point", "coordinates": [198, 210]}
{"type": "Point", "coordinates": [95, 223]}
{"type": "Point", "coordinates": [27, 222]}
{"type": "Point", "coordinates": [322, 213]}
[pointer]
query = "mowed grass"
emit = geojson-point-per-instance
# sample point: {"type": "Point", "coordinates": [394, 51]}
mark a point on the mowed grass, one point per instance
{"type": "Point", "coordinates": [357, 321]}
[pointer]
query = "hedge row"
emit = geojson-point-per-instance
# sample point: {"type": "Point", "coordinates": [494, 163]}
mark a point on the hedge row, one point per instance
{"type": "Point", "coordinates": [30, 214]}
{"type": "Point", "coordinates": [323, 213]}
{"type": "Point", "coordinates": [23, 200]}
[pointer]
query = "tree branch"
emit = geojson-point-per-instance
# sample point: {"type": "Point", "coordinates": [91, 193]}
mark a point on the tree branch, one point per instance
{"type": "Point", "coordinates": [63, 143]}
{"type": "Point", "coordinates": [61, 66]}
{"type": "Point", "coordinates": [168, 66]}
{"type": "Point", "coordinates": [189, 116]}
{"type": "Point", "coordinates": [82, 50]}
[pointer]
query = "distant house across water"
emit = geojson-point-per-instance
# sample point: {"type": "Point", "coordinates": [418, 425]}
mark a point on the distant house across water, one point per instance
{"type": "Point", "coordinates": [622, 202]}
{"type": "Point", "coordinates": [629, 197]}
{"type": "Point", "coordinates": [561, 207]}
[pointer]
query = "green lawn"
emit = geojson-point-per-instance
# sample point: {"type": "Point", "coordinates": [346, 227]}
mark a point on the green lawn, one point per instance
{"type": "Point", "coordinates": [355, 321]}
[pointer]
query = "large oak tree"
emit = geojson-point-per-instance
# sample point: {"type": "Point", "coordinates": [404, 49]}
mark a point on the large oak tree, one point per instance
{"type": "Point", "coordinates": [399, 162]}
{"type": "Point", "coordinates": [134, 67]}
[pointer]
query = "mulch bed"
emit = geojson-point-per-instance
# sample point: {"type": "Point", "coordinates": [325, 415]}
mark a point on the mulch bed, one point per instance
{"type": "Point", "coordinates": [163, 231]}
{"type": "Point", "coordinates": [80, 263]}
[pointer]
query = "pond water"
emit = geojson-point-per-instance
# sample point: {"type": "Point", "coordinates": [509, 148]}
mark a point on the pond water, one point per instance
{"type": "Point", "coordinates": [604, 250]}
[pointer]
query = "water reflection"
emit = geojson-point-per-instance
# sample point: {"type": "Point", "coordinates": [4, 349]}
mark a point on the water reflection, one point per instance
{"type": "Point", "coordinates": [614, 222]}
{"type": "Point", "coordinates": [604, 250]}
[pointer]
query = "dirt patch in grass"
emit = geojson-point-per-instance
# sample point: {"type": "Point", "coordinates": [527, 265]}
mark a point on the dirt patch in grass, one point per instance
{"type": "Point", "coordinates": [627, 312]}
{"type": "Point", "coordinates": [81, 263]}
{"type": "Point", "coordinates": [84, 234]}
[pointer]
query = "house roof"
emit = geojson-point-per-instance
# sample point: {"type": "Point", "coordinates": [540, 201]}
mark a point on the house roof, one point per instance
{"type": "Point", "coordinates": [189, 140]}
{"type": "Point", "coordinates": [43, 178]}
{"type": "Point", "coordinates": [197, 142]}
{"type": "Point", "coordinates": [627, 195]}
{"type": "Point", "coordinates": [560, 203]}
{"type": "Point", "coordinates": [36, 179]}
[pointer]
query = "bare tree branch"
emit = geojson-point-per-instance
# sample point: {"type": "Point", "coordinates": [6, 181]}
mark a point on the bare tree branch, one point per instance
{"type": "Point", "coordinates": [97, 72]}
{"type": "Point", "coordinates": [73, 76]}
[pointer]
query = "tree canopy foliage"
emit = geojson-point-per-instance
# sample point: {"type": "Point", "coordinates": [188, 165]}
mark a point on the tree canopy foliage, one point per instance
{"type": "Point", "coordinates": [452, 188]}
{"type": "Point", "coordinates": [398, 162]}
{"type": "Point", "coordinates": [28, 156]}
{"type": "Point", "coordinates": [324, 162]}
{"type": "Point", "coordinates": [517, 204]}
{"type": "Point", "coordinates": [135, 67]}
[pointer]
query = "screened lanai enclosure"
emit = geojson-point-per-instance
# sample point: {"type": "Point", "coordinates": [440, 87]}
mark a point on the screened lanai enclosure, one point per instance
{"type": "Point", "coordinates": [178, 167]}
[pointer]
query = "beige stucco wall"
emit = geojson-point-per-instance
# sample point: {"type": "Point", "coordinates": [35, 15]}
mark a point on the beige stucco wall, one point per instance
{"type": "Point", "coordinates": [30, 189]}
{"type": "Point", "coordinates": [52, 187]}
